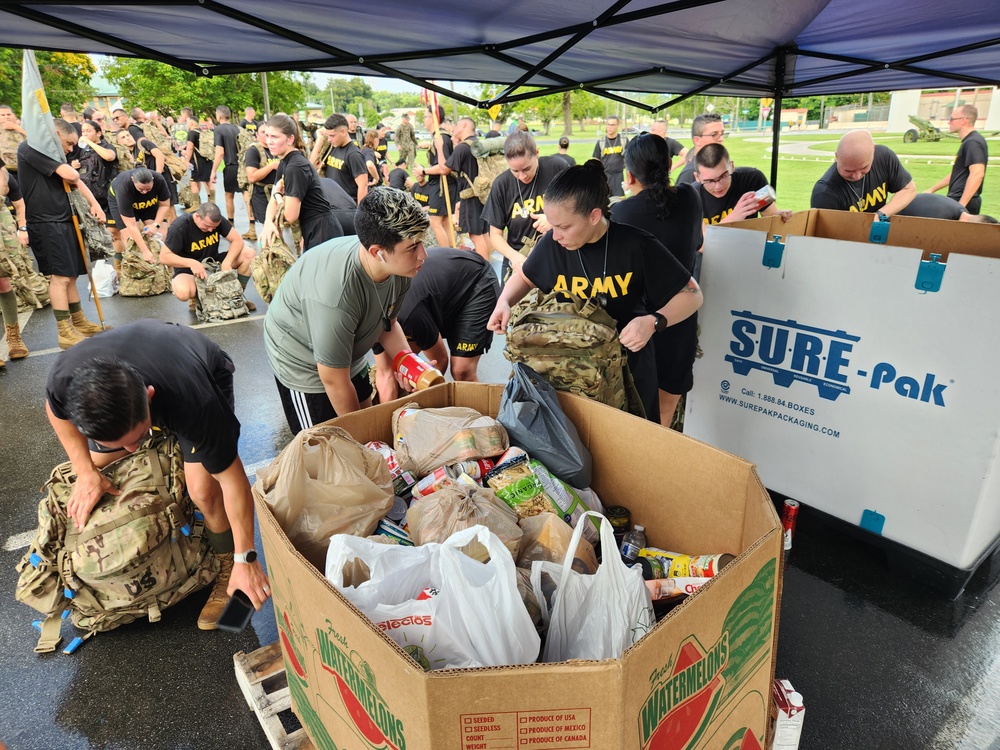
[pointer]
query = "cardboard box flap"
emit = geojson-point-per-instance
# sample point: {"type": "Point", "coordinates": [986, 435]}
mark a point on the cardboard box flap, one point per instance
{"type": "Point", "coordinates": [928, 235]}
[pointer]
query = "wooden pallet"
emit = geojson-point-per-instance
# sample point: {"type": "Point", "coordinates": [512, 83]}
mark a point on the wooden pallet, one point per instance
{"type": "Point", "coordinates": [262, 679]}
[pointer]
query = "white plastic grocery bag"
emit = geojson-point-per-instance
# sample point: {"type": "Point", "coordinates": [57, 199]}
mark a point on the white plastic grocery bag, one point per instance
{"type": "Point", "coordinates": [105, 279]}
{"type": "Point", "coordinates": [596, 616]}
{"type": "Point", "coordinates": [442, 607]}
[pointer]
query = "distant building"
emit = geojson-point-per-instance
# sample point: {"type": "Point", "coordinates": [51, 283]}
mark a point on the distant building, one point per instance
{"type": "Point", "coordinates": [937, 105]}
{"type": "Point", "coordinates": [106, 95]}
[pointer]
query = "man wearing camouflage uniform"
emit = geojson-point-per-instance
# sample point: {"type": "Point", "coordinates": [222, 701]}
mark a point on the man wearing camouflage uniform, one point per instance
{"type": "Point", "coordinates": [10, 239]}
{"type": "Point", "coordinates": [11, 135]}
{"type": "Point", "coordinates": [406, 142]}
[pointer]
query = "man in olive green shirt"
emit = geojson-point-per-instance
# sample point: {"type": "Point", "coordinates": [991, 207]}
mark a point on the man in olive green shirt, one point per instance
{"type": "Point", "coordinates": [336, 302]}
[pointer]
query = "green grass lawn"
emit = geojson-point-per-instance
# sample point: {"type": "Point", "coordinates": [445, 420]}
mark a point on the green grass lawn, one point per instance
{"type": "Point", "coordinates": [797, 173]}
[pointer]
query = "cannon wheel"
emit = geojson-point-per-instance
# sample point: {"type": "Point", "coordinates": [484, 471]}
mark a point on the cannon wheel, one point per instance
{"type": "Point", "coordinates": [910, 136]}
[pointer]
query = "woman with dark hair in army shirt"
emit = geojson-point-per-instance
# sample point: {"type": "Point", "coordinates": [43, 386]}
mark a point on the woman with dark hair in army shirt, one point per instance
{"type": "Point", "coordinates": [516, 203]}
{"type": "Point", "coordinates": [586, 254]}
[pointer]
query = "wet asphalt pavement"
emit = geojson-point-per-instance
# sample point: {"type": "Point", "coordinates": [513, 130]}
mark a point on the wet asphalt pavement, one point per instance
{"type": "Point", "coordinates": [881, 662]}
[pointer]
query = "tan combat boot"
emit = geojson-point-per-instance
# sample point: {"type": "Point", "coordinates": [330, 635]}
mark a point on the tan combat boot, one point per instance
{"type": "Point", "coordinates": [251, 234]}
{"type": "Point", "coordinates": [68, 335]}
{"type": "Point", "coordinates": [218, 599]}
{"type": "Point", "coordinates": [84, 326]}
{"type": "Point", "coordinates": [17, 348]}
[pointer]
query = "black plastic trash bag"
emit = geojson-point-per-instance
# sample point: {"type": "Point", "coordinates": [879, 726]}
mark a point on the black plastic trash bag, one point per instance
{"type": "Point", "coordinates": [530, 412]}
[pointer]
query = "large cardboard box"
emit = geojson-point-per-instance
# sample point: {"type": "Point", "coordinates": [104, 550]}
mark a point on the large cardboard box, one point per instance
{"type": "Point", "coordinates": [700, 679]}
{"type": "Point", "coordinates": [860, 377]}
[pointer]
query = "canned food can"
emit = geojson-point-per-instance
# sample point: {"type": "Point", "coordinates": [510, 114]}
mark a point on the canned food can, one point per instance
{"type": "Point", "coordinates": [764, 197]}
{"type": "Point", "coordinates": [433, 481]}
{"type": "Point", "coordinates": [789, 514]}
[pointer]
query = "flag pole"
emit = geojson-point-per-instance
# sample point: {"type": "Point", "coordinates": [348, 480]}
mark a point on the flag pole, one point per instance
{"type": "Point", "coordinates": [42, 137]}
{"type": "Point", "coordinates": [83, 252]}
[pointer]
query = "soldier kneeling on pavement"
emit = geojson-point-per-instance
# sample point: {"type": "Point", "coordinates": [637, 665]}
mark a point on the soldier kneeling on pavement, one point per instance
{"type": "Point", "coordinates": [194, 237]}
{"type": "Point", "coordinates": [105, 395]}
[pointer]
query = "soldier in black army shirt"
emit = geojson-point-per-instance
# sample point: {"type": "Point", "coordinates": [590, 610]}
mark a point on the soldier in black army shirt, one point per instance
{"type": "Point", "coordinates": [196, 237]}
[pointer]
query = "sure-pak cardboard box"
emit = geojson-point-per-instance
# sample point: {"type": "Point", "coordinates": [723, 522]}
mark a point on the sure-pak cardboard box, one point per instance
{"type": "Point", "coordinates": [860, 376]}
{"type": "Point", "coordinates": [700, 679]}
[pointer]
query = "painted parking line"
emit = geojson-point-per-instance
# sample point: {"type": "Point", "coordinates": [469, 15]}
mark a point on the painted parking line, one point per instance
{"type": "Point", "coordinates": [197, 326]}
{"type": "Point", "coordinates": [22, 540]}
{"type": "Point", "coordinates": [17, 541]}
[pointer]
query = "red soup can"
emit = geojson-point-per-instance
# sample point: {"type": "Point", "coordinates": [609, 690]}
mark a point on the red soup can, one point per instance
{"type": "Point", "coordinates": [788, 516]}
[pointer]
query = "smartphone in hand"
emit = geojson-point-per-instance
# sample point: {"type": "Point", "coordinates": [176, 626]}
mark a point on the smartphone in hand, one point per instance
{"type": "Point", "coordinates": [236, 615]}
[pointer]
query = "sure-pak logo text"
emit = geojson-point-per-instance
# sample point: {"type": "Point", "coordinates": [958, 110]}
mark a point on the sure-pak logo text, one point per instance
{"type": "Point", "coordinates": [792, 352]}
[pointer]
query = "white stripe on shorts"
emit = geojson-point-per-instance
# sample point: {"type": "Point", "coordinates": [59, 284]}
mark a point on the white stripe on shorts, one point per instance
{"type": "Point", "coordinates": [301, 409]}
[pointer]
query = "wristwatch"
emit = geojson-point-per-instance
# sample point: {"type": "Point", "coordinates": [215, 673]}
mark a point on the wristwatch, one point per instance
{"type": "Point", "coordinates": [245, 557]}
{"type": "Point", "coordinates": [661, 321]}
{"type": "Point", "coordinates": [22, 229]}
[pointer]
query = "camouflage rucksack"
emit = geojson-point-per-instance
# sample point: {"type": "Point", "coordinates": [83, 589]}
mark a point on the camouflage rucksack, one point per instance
{"type": "Point", "coordinates": [9, 141]}
{"type": "Point", "coordinates": [206, 144]}
{"type": "Point", "coordinates": [268, 189]}
{"type": "Point", "coordinates": [492, 163]}
{"type": "Point", "coordinates": [271, 264]}
{"type": "Point", "coordinates": [30, 287]}
{"type": "Point", "coordinates": [96, 237]}
{"type": "Point", "coordinates": [140, 552]}
{"type": "Point", "coordinates": [244, 142]}
{"type": "Point", "coordinates": [170, 159]}
{"type": "Point", "coordinates": [574, 345]}
{"type": "Point", "coordinates": [126, 159]}
{"type": "Point", "coordinates": [220, 295]}
{"type": "Point", "coordinates": [140, 278]}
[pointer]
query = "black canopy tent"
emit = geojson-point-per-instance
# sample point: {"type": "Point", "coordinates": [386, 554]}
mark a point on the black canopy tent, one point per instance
{"type": "Point", "coordinates": [773, 48]}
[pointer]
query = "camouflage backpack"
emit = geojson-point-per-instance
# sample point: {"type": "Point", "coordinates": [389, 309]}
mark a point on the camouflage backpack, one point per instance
{"type": "Point", "coordinates": [206, 146]}
{"type": "Point", "coordinates": [126, 159]}
{"type": "Point", "coordinates": [140, 552]}
{"type": "Point", "coordinates": [268, 189]}
{"type": "Point", "coordinates": [220, 294]}
{"type": "Point", "coordinates": [172, 162]}
{"type": "Point", "coordinates": [30, 287]}
{"type": "Point", "coordinates": [96, 237]}
{"type": "Point", "coordinates": [491, 161]}
{"type": "Point", "coordinates": [139, 277]}
{"type": "Point", "coordinates": [270, 267]}
{"type": "Point", "coordinates": [244, 142]}
{"type": "Point", "coordinates": [574, 345]}
{"type": "Point", "coordinates": [9, 141]}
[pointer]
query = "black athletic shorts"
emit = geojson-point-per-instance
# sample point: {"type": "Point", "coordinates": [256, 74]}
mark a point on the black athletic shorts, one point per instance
{"type": "Point", "coordinates": [172, 187]}
{"type": "Point", "coordinates": [56, 248]}
{"type": "Point", "coordinates": [229, 182]}
{"type": "Point", "coordinates": [436, 205]}
{"type": "Point", "coordinates": [470, 216]}
{"type": "Point", "coordinates": [115, 218]}
{"type": "Point", "coordinates": [223, 376]}
{"type": "Point", "coordinates": [467, 335]}
{"type": "Point", "coordinates": [202, 170]}
{"type": "Point", "coordinates": [304, 410]}
{"type": "Point", "coordinates": [319, 229]}
{"type": "Point", "coordinates": [675, 350]}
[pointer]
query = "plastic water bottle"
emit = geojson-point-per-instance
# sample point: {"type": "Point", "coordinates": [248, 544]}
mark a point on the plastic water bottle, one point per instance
{"type": "Point", "coordinates": [634, 541]}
